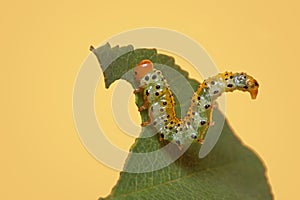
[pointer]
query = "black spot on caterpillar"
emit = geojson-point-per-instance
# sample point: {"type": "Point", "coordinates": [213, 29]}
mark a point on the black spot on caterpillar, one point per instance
{"type": "Point", "coordinates": [159, 101]}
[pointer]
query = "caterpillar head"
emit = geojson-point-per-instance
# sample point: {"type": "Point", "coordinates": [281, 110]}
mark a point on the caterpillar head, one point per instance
{"type": "Point", "coordinates": [245, 82]}
{"type": "Point", "coordinates": [143, 68]}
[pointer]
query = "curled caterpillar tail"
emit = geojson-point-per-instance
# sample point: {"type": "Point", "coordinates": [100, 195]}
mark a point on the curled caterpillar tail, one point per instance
{"type": "Point", "coordinates": [159, 101]}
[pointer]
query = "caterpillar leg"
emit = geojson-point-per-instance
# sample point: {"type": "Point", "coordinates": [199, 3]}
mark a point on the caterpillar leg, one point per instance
{"type": "Point", "coordinates": [146, 103]}
{"type": "Point", "coordinates": [211, 123]}
{"type": "Point", "coordinates": [201, 137]}
{"type": "Point", "coordinates": [161, 137]}
{"type": "Point", "coordinates": [144, 106]}
{"type": "Point", "coordinates": [147, 123]}
{"type": "Point", "coordinates": [138, 90]}
{"type": "Point", "coordinates": [201, 141]}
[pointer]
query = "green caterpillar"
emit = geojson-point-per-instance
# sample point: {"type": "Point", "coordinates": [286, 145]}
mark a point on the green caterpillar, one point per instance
{"type": "Point", "coordinates": [159, 101]}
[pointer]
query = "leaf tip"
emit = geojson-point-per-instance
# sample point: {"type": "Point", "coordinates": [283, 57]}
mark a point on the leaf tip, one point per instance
{"type": "Point", "coordinates": [92, 48]}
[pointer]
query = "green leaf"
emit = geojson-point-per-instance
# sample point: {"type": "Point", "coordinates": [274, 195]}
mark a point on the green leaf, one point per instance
{"type": "Point", "coordinates": [230, 171]}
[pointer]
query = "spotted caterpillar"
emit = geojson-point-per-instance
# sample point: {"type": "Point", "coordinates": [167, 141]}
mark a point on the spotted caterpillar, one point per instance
{"type": "Point", "coordinates": [159, 101]}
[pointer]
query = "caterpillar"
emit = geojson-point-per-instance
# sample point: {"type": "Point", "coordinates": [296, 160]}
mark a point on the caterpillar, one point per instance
{"type": "Point", "coordinates": [159, 101]}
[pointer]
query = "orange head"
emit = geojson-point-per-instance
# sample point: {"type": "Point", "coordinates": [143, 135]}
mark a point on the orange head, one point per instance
{"type": "Point", "coordinates": [143, 68]}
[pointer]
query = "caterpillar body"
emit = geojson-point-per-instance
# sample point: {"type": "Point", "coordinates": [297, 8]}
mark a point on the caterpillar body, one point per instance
{"type": "Point", "coordinates": [159, 101]}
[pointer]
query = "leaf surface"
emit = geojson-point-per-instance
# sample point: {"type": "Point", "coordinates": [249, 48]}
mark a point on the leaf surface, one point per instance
{"type": "Point", "coordinates": [230, 171]}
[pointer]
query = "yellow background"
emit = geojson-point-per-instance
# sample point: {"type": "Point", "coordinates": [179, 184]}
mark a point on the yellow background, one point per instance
{"type": "Point", "coordinates": [43, 45]}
